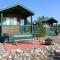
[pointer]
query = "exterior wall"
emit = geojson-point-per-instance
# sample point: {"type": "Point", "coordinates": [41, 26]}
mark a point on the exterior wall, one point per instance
{"type": "Point", "coordinates": [10, 29]}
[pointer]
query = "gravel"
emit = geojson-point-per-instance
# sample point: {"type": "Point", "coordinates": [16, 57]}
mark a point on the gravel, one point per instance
{"type": "Point", "coordinates": [51, 52]}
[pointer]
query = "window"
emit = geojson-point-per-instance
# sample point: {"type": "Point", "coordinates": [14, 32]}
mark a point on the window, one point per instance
{"type": "Point", "coordinates": [6, 21]}
{"type": "Point", "coordinates": [22, 22]}
{"type": "Point", "coordinates": [9, 21]}
{"type": "Point", "coordinates": [13, 21]}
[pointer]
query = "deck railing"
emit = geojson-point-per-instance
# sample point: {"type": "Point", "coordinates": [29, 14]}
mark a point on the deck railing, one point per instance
{"type": "Point", "coordinates": [24, 28]}
{"type": "Point", "coordinates": [29, 28]}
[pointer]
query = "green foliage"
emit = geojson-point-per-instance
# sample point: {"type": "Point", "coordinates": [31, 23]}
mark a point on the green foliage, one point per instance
{"type": "Point", "coordinates": [59, 28]}
{"type": "Point", "coordinates": [41, 23]}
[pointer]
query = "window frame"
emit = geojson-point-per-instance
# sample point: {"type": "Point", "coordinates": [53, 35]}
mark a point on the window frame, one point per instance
{"type": "Point", "coordinates": [11, 21]}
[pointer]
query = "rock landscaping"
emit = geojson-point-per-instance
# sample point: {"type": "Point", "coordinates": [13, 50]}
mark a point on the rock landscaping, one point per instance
{"type": "Point", "coordinates": [48, 52]}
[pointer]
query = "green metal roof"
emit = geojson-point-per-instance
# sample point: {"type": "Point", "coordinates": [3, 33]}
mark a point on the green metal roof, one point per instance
{"type": "Point", "coordinates": [20, 6]}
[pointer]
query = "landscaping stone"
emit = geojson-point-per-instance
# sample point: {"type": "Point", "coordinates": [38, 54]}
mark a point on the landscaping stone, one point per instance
{"type": "Point", "coordinates": [2, 49]}
{"type": "Point", "coordinates": [50, 52]}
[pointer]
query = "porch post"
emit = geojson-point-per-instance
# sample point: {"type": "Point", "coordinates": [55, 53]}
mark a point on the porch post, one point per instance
{"type": "Point", "coordinates": [45, 28]}
{"type": "Point", "coordinates": [25, 22]}
{"type": "Point", "coordinates": [1, 26]}
{"type": "Point", "coordinates": [1, 20]}
{"type": "Point", "coordinates": [56, 27]}
{"type": "Point", "coordinates": [31, 25]}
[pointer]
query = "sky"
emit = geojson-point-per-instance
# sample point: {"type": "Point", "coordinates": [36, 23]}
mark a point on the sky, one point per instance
{"type": "Point", "coordinates": [47, 8]}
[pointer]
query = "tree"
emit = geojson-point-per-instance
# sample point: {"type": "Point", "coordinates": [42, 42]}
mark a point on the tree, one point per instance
{"type": "Point", "coordinates": [41, 23]}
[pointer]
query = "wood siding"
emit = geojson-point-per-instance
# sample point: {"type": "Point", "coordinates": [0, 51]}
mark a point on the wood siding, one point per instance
{"type": "Point", "coordinates": [10, 29]}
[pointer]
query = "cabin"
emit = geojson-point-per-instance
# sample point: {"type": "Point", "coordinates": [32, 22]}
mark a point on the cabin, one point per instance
{"type": "Point", "coordinates": [13, 22]}
{"type": "Point", "coordinates": [52, 27]}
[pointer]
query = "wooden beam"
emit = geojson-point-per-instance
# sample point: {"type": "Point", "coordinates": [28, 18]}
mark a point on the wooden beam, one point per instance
{"type": "Point", "coordinates": [1, 21]}
{"type": "Point", "coordinates": [56, 27]}
{"type": "Point", "coordinates": [1, 17]}
{"type": "Point", "coordinates": [1, 26]}
{"type": "Point", "coordinates": [25, 23]}
{"type": "Point", "coordinates": [31, 25]}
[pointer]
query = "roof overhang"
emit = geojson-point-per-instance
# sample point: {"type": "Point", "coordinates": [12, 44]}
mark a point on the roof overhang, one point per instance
{"type": "Point", "coordinates": [51, 20]}
{"type": "Point", "coordinates": [18, 8]}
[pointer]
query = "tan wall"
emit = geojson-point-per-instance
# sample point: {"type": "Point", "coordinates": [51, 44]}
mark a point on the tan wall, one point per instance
{"type": "Point", "coordinates": [10, 29]}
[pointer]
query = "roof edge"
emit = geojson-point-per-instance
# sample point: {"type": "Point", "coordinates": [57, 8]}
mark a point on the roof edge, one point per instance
{"type": "Point", "coordinates": [18, 4]}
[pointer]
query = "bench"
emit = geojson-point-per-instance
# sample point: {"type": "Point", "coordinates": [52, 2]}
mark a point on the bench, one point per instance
{"type": "Point", "coordinates": [20, 37]}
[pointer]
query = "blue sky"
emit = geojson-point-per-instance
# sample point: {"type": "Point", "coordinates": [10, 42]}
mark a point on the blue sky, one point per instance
{"type": "Point", "coordinates": [48, 8]}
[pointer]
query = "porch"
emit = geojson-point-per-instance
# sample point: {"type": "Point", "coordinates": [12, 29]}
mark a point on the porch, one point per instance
{"type": "Point", "coordinates": [24, 33]}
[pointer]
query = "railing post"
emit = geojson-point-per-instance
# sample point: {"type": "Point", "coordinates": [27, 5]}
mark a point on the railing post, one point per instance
{"type": "Point", "coordinates": [31, 25]}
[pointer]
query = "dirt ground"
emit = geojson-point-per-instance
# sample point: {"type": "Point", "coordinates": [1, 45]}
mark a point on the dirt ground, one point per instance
{"type": "Point", "coordinates": [56, 38]}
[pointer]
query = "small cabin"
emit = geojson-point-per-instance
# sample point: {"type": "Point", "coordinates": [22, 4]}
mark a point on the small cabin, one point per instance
{"type": "Point", "coordinates": [52, 28]}
{"type": "Point", "coordinates": [13, 21]}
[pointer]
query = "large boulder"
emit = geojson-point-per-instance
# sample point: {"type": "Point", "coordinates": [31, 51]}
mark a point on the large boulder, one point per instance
{"type": "Point", "coordinates": [48, 41]}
